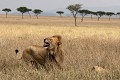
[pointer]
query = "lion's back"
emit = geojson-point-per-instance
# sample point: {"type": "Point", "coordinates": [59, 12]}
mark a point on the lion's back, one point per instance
{"type": "Point", "coordinates": [35, 52]}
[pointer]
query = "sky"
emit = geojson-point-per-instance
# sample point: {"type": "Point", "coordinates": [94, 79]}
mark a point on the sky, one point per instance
{"type": "Point", "coordinates": [49, 5]}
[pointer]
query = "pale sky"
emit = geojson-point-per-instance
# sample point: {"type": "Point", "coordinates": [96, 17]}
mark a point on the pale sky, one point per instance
{"type": "Point", "coordinates": [56, 4]}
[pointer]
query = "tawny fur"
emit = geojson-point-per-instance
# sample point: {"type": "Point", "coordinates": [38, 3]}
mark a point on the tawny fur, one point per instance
{"type": "Point", "coordinates": [99, 69]}
{"type": "Point", "coordinates": [55, 49]}
{"type": "Point", "coordinates": [36, 55]}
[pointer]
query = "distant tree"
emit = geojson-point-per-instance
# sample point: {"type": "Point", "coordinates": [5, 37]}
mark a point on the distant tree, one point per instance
{"type": "Point", "coordinates": [74, 10]}
{"type": "Point", "coordinates": [118, 14]}
{"type": "Point", "coordinates": [83, 13]}
{"type": "Point", "coordinates": [60, 13]}
{"type": "Point", "coordinates": [92, 13]}
{"type": "Point", "coordinates": [22, 10]}
{"type": "Point", "coordinates": [28, 10]}
{"type": "Point", "coordinates": [99, 14]}
{"type": "Point", "coordinates": [37, 12]}
{"type": "Point", "coordinates": [109, 14]}
{"type": "Point", "coordinates": [6, 10]}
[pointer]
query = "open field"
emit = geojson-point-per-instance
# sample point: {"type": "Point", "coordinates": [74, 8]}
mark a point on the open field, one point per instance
{"type": "Point", "coordinates": [91, 43]}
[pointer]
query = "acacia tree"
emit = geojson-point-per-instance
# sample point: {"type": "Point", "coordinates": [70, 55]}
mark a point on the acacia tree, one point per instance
{"type": "Point", "coordinates": [118, 14]}
{"type": "Point", "coordinates": [22, 10]}
{"type": "Point", "coordinates": [91, 13]}
{"type": "Point", "coordinates": [83, 13]}
{"type": "Point", "coordinates": [60, 13]}
{"type": "Point", "coordinates": [6, 10]}
{"type": "Point", "coordinates": [100, 14]}
{"type": "Point", "coordinates": [109, 14]}
{"type": "Point", "coordinates": [28, 10]}
{"type": "Point", "coordinates": [37, 12]}
{"type": "Point", "coordinates": [74, 10]}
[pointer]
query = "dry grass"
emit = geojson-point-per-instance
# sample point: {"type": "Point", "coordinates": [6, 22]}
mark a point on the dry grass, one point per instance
{"type": "Point", "coordinates": [91, 43]}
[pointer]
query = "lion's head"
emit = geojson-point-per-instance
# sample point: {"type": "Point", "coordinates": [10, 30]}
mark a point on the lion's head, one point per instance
{"type": "Point", "coordinates": [52, 42]}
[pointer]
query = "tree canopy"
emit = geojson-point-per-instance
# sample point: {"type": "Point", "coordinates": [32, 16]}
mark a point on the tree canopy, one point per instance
{"type": "Point", "coordinates": [6, 10]}
{"type": "Point", "coordinates": [22, 9]}
{"type": "Point", "coordinates": [37, 12]}
{"type": "Point", "coordinates": [60, 12]}
{"type": "Point", "coordinates": [118, 13]}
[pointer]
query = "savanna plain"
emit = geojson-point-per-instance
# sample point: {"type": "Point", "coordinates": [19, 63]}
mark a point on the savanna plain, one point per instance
{"type": "Point", "coordinates": [90, 43]}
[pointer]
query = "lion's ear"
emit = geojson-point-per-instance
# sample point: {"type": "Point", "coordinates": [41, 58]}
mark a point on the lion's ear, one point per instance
{"type": "Point", "coordinates": [58, 37]}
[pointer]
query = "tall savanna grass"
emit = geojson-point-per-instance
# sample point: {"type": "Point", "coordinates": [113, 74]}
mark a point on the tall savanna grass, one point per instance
{"type": "Point", "coordinates": [91, 43]}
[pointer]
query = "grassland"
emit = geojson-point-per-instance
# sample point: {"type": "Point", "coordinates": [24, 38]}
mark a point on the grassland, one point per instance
{"type": "Point", "coordinates": [91, 43]}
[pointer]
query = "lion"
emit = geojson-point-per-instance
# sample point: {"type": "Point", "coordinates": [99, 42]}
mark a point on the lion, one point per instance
{"type": "Point", "coordinates": [55, 48]}
{"type": "Point", "coordinates": [50, 52]}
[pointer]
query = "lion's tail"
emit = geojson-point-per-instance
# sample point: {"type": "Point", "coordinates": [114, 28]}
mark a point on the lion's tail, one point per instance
{"type": "Point", "coordinates": [17, 51]}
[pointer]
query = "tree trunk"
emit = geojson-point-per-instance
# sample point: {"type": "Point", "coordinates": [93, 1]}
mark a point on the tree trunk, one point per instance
{"type": "Point", "coordinates": [74, 15]}
{"type": "Point", "coordinates": [60, 15]}
{"type": "Point", "coordinates": [109, 18]}
{"type": "Point", "coordinates": [98, 18]}
{"type": "Point", "coordinates": [6, 14]}
{"type": "Point", "coordinates": [91, 17]}
{"type": "Point", "coordinates": [37, 16]}
{"type": "Point", "coordinates": [82, 18]}
{"type": "Point", "coordinates": [22, 15]}
{"type": "Point", "coordinates": [75, 20]}
{"type": "Point", "coordinates": [29, 14]}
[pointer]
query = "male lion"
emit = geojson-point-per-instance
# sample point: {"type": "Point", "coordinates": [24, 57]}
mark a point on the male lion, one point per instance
{"type": "Point", "coordinates": [55, 49]}
{"type": "Point", "coordinates": [50, 52]}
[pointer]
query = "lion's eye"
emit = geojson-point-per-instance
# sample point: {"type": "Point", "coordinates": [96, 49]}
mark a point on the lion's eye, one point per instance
{"type": "Point", "coordinates": [50, 39]}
